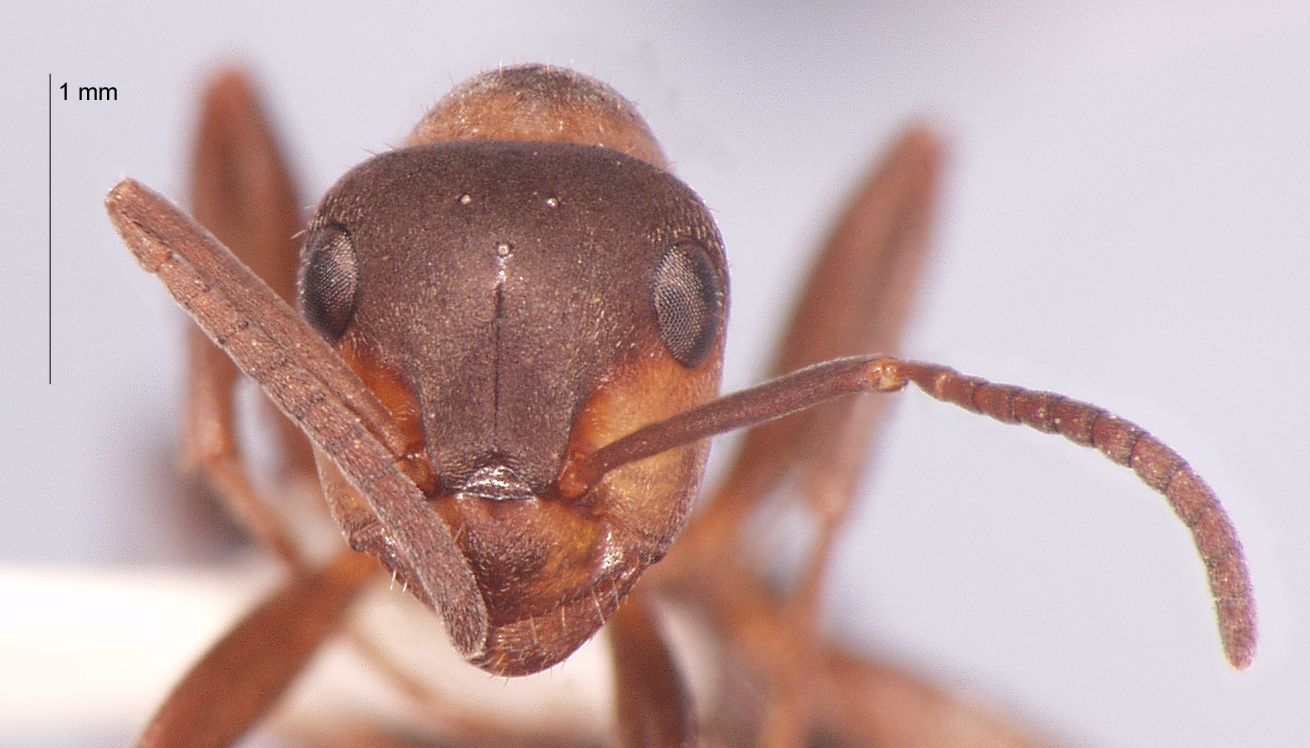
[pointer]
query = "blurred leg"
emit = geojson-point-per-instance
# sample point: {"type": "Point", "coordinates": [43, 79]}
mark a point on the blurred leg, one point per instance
{"type": "Point", "coordinates": [242, 193]}
{"type": "Point", "coordinates": [654, 708]}
{"type": "Point", "coordinates": [855, 302]}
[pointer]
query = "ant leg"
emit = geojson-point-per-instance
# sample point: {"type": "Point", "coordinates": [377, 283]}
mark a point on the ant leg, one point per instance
{"type": "Point", "coordinates": [852, 701]}
{"type": "Point", "coordinates": [241, 191]}
{"type": "Point", "coordinates": [856, 301]}
{"type": "Point", "coordinates": [863, 702]}
{"type": "Point", "coordinates": [353, 735]}
{"type": "Point", "coordinates": [242, 676]}
{"type": "Point", "coordinates": [435, 712]}
{"type": "Point", "coordinates": [654, 707]}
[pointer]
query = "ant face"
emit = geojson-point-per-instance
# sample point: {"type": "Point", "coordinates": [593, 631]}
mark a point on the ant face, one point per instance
{"type": "Point", "coordinates": [512, 304]}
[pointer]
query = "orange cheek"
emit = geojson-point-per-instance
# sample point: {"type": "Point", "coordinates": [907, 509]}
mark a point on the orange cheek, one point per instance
{"type": "Point", "coordinates": [390, 389]}
{"type": "Point", "coordinates": [651, 496]}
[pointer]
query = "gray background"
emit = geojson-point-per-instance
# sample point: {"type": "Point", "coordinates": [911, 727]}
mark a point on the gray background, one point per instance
{"type": "Point", "coordinates": [1125, 220]}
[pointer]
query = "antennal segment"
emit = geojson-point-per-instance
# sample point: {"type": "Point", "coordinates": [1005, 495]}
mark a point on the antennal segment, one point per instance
{"type": "Point", "coordinates": [1127, 444]}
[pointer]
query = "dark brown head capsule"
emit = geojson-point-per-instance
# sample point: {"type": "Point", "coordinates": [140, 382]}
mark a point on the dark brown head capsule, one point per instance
{"type": "Point", "coordinates": [521, 284]}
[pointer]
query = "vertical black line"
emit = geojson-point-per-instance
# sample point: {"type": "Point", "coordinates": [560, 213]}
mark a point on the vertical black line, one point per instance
{"type": "Point", "coordinates": [50, 230]}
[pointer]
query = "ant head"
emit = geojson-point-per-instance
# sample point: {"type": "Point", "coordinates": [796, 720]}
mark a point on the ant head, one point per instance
{"type": "Point", "coordinates": [515, 303]}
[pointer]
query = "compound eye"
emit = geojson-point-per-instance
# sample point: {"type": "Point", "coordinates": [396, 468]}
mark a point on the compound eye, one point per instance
{"type": "Point", "coordinates": [688, 303]}
{"type": "Point", "coordinates": [329, 280]}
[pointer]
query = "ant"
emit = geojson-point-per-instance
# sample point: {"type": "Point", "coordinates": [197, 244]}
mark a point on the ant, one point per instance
{"type": "Point", "coordinates": [505, 372]}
